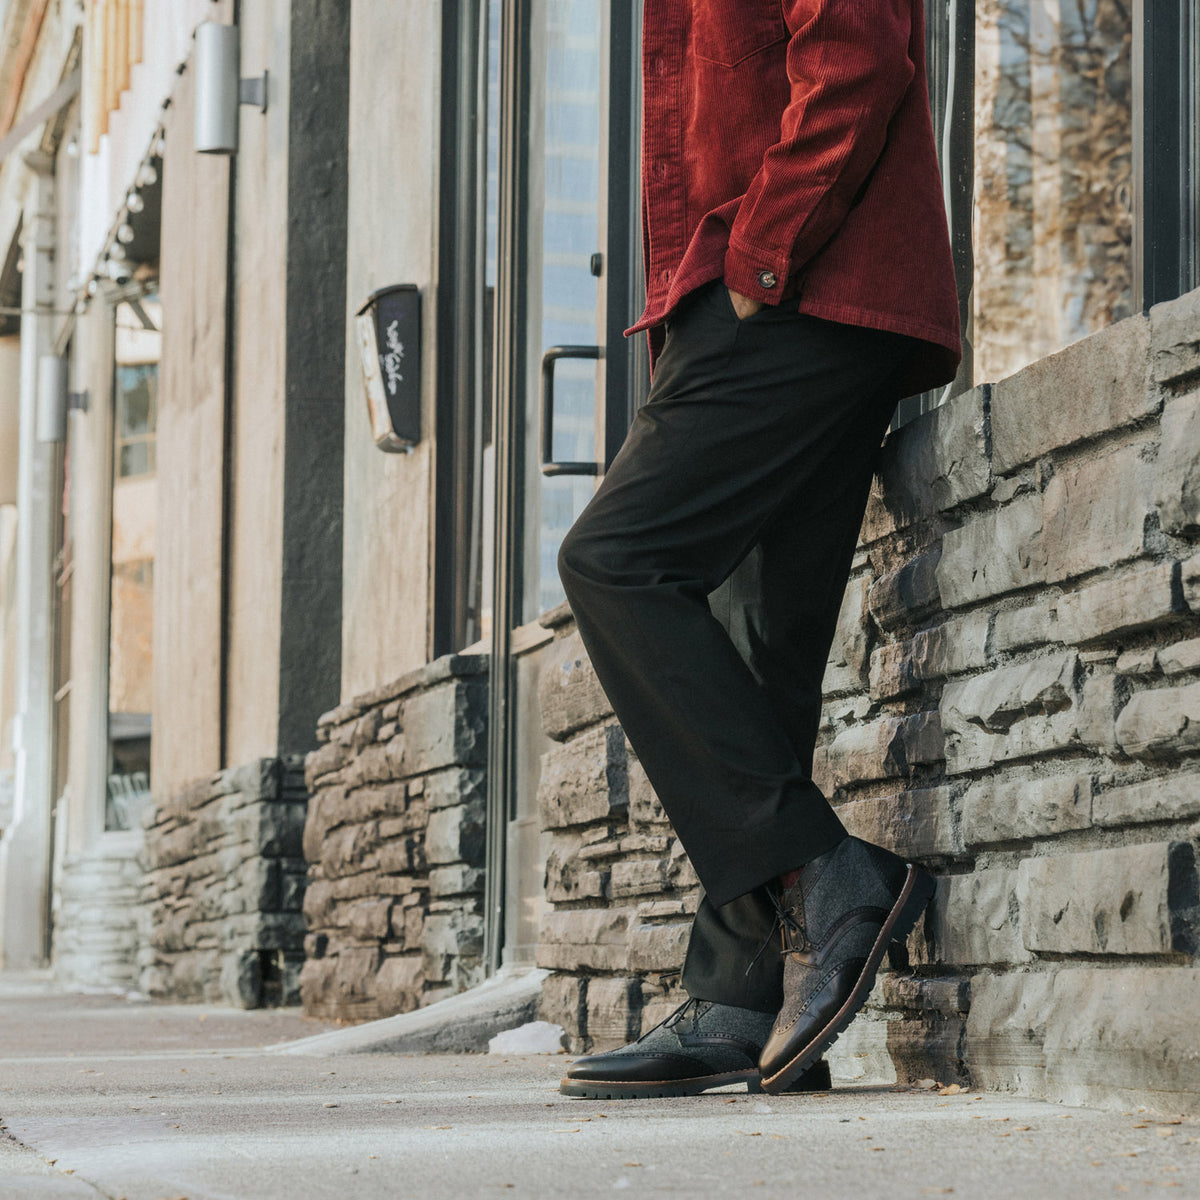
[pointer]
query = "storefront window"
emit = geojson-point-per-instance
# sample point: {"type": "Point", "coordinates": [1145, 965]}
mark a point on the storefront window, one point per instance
{"type": "Point", "coordinates": [134, 502]}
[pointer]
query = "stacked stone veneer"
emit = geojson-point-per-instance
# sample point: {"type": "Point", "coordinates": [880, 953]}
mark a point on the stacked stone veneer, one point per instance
{"type": "Point", "coordinates": [223, 887]}
{"type": "Point", "coordinates": [1014, 701]}
{"type": "Point", "coordinates": [395, 844]}
{"type": "Point", "coordinates": [96, 914]}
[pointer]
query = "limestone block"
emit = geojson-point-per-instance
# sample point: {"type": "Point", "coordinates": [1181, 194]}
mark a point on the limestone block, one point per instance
{"type": "Point", "coordinates": [241, 979]}
{"type": "Point", "coordinates": [564, 1002]}
{"type": "Point", "coordinates": [1019, 628]}
{"type": "Point", "coordinates": [645, 809]}
{"type": "Point", "coordinates": [884, 749]}
{"type": "Point", "coordinates": [654, 947]}
{"type": "Point", "coordinates": [1126, 900]}
{"type": "Point", "coordinates": [398, 855]}
{"type": "Point", "coordinates": [1114, 607]}
{"type": "Point", "coordinates": [1172, 798]}
{"type": "Point", "coordinates": [569, 877]}
{"type": "Point", "coordinates": [911, 993]}
{"type": "Point", "coordinates": [319, 904]}
{"type": "Point", "coordinates": [456, 834]}
{"type": "Point", "coordinates": [1101, 699]}
{"type": "Point", "coordinates": [1161, 722]}
{"type": "Point", "coordinates": [1138, 663]}
{"type": "Point", "coordinates": [342, 984]}
{"type": "Point", "coordinates": [1177, 469]}
{"type": "Point", "coordinates": [613, 1011]}
{"type": "Point", "coordinates": [639, 876]}
{"type": "Point", "coordinates": [1094, 385]}
{"type": "Point", "coordinates": [905, 596]}
{"type": "Point", "coordinates": [1016, 810]}
{"type": "Point", "coordinates": [973, 920]}
{"type": "Point", "coordinates": [955, 646]}
{"type": "Point", "coordinates": [457, 880]}
{"type": "Point", "coordinates": [993, 553]}
{"type": "Point", "coordinates": [569, 693]}
{"type": "Point", "coordinates": [449, 936]}
{"type": "Point", "coordinates": [1015, 711]}
{"type": "Point", "coordinates": [848, 656]}
{"type": "Point", "coordinates": [1095, 513]}
{"type": "Point", "coordinates": [932, 463]}
{"type": "Point", "coordinates": [585, 779]}
{"type": "Point", "coordinates": [455, 785]}
{"type": "Point", "coordinates": [277, 829]}
{"type": "Point", "coordinates": [860, 1057]}
{"type": "Point", "coordinates": [929, 1047]}
{"type": "Point", "coordinates": [1180, 658]}
{"type": "Point", "coordinates": [258, 779]}
{"type": "Point", "coordinates": [371, 764]}
{"type": "Point", "coordinates": [1006, 1030]}
{"type": "Point", "coordinates": [399, 983]}
{"type": "Point", "coordinates": [350, 849]}
{"type": "Point", "coordinates": [1175, 339]}
{"type": "Point", "coordinates": [578, 939]}
{"type": "Point", "coordinates": [917, 824]}
{"type": "Point", "coordinates": [445, 726]}
{"type": "Point", "coordinates": [368, 920]}
{"type": "Point", "coordinates": [323, 814]}
{"type": "Point", "coordinates": [1124, 1037]}
{"type": "Point", "coordinates": [680, 872]}
{"type": "Point", "coordinates": [323, 762]}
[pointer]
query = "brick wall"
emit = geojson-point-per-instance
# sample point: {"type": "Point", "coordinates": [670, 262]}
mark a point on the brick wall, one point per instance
{"type": "Point", "coordinates": [1013, 700]}
{"type": "Point", "coordinates": [394, 842]}
{"type": "Point", "coordinates": [222, 888]}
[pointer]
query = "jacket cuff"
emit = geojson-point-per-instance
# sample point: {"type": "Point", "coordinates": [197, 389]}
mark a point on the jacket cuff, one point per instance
{"type": "Point", "coordinates": [760, 276]}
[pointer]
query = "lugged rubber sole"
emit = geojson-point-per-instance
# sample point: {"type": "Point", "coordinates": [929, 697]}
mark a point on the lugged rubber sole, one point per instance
{"type": "Point", "coordinates": [910, 904]}
{"type": "Point", "coordinates": [597, 1089]}
{"type": "Point", "coordinates": [815, 1079]}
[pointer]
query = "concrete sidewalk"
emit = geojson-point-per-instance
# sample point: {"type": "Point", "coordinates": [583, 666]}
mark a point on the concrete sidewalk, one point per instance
{"type": "Point", "coordinates": [101, 1097]}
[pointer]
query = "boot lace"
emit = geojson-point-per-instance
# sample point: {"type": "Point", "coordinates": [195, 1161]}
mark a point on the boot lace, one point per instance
{"type": "Point", "coordinates": [691, 1009]}
{"type": "Point", "coordinates": [789, 924]}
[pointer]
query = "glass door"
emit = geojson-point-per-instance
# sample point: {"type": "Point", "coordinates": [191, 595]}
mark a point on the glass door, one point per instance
{"type": "Point", "coordinates": [563, 397]}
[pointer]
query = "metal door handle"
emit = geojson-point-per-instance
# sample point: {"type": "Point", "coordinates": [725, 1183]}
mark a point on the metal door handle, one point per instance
{"type": "Point", "coordinates": [549, 466]}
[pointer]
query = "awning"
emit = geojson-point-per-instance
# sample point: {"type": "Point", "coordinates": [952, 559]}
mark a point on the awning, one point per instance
{"type": "Point", "coordinates": [63, 94]}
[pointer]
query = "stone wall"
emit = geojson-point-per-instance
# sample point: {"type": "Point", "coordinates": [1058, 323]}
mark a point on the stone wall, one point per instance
{"type": "Point", "coordinates": [1013, 700]}
{"type": "Point", "coordinates": [395, 845]}
{"type": "Point", "coordinates": [96, 914]}
{"type": "Point", "coordinates": [223, 888]}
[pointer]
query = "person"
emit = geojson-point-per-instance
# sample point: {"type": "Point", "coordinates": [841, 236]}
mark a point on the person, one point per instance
{"type": "Point", "coordinates": [799, 282]}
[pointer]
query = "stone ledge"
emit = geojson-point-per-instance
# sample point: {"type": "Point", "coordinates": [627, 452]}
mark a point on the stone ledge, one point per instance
{"type": "Point", "coordinates": [1088, 388]}
{"type": "Point", "coordinates": [449, 666]}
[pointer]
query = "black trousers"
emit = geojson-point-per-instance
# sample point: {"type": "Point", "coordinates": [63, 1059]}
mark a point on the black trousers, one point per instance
{"type": "Point", "coordinates": [706, 575]}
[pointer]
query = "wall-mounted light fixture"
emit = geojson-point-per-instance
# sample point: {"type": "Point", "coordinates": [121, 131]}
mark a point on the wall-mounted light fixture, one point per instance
{"type": "Point", "coordinates": [389, 342]}
{"type": "Point", "coordinates": [219, 89]}
{"type": "Point", "coordinates": [54, 402]}
{"type": "Point", "coordinates": [52, 398]}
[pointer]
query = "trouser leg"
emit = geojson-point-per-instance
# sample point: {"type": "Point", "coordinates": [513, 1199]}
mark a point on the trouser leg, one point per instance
{"type": "Point", "coordinates": [776, 418]}
{"type": "Point", "coordinates": [779, 608]}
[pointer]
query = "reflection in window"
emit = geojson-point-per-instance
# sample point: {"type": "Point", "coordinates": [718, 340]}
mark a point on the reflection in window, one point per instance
{"type": "Point", "coordinates": [1053, 194]}
{"type": "Point", "coordinates": [136, 411]}
{"type": "Point", "coordinates": [570, 232]}
{"type": "Point", "coordinates": [131, 612]}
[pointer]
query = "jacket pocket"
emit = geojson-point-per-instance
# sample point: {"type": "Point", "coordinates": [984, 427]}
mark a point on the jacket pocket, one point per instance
{"type": "Point", "coordinates": [727, 32]}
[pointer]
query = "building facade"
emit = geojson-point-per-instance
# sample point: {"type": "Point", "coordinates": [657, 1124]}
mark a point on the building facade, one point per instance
{"type": "Point", "coordinates": [290, 717]}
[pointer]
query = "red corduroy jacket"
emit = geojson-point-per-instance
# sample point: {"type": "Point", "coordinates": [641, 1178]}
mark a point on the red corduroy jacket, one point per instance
{"type": "Point", "coordinates": [787, 148]}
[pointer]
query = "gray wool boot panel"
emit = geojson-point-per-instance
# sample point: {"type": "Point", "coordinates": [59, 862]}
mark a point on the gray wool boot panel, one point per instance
{"type": "Point", "coordinates": [854, 874]}
{"type": "Point", "coordinates": [699, 1028]}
